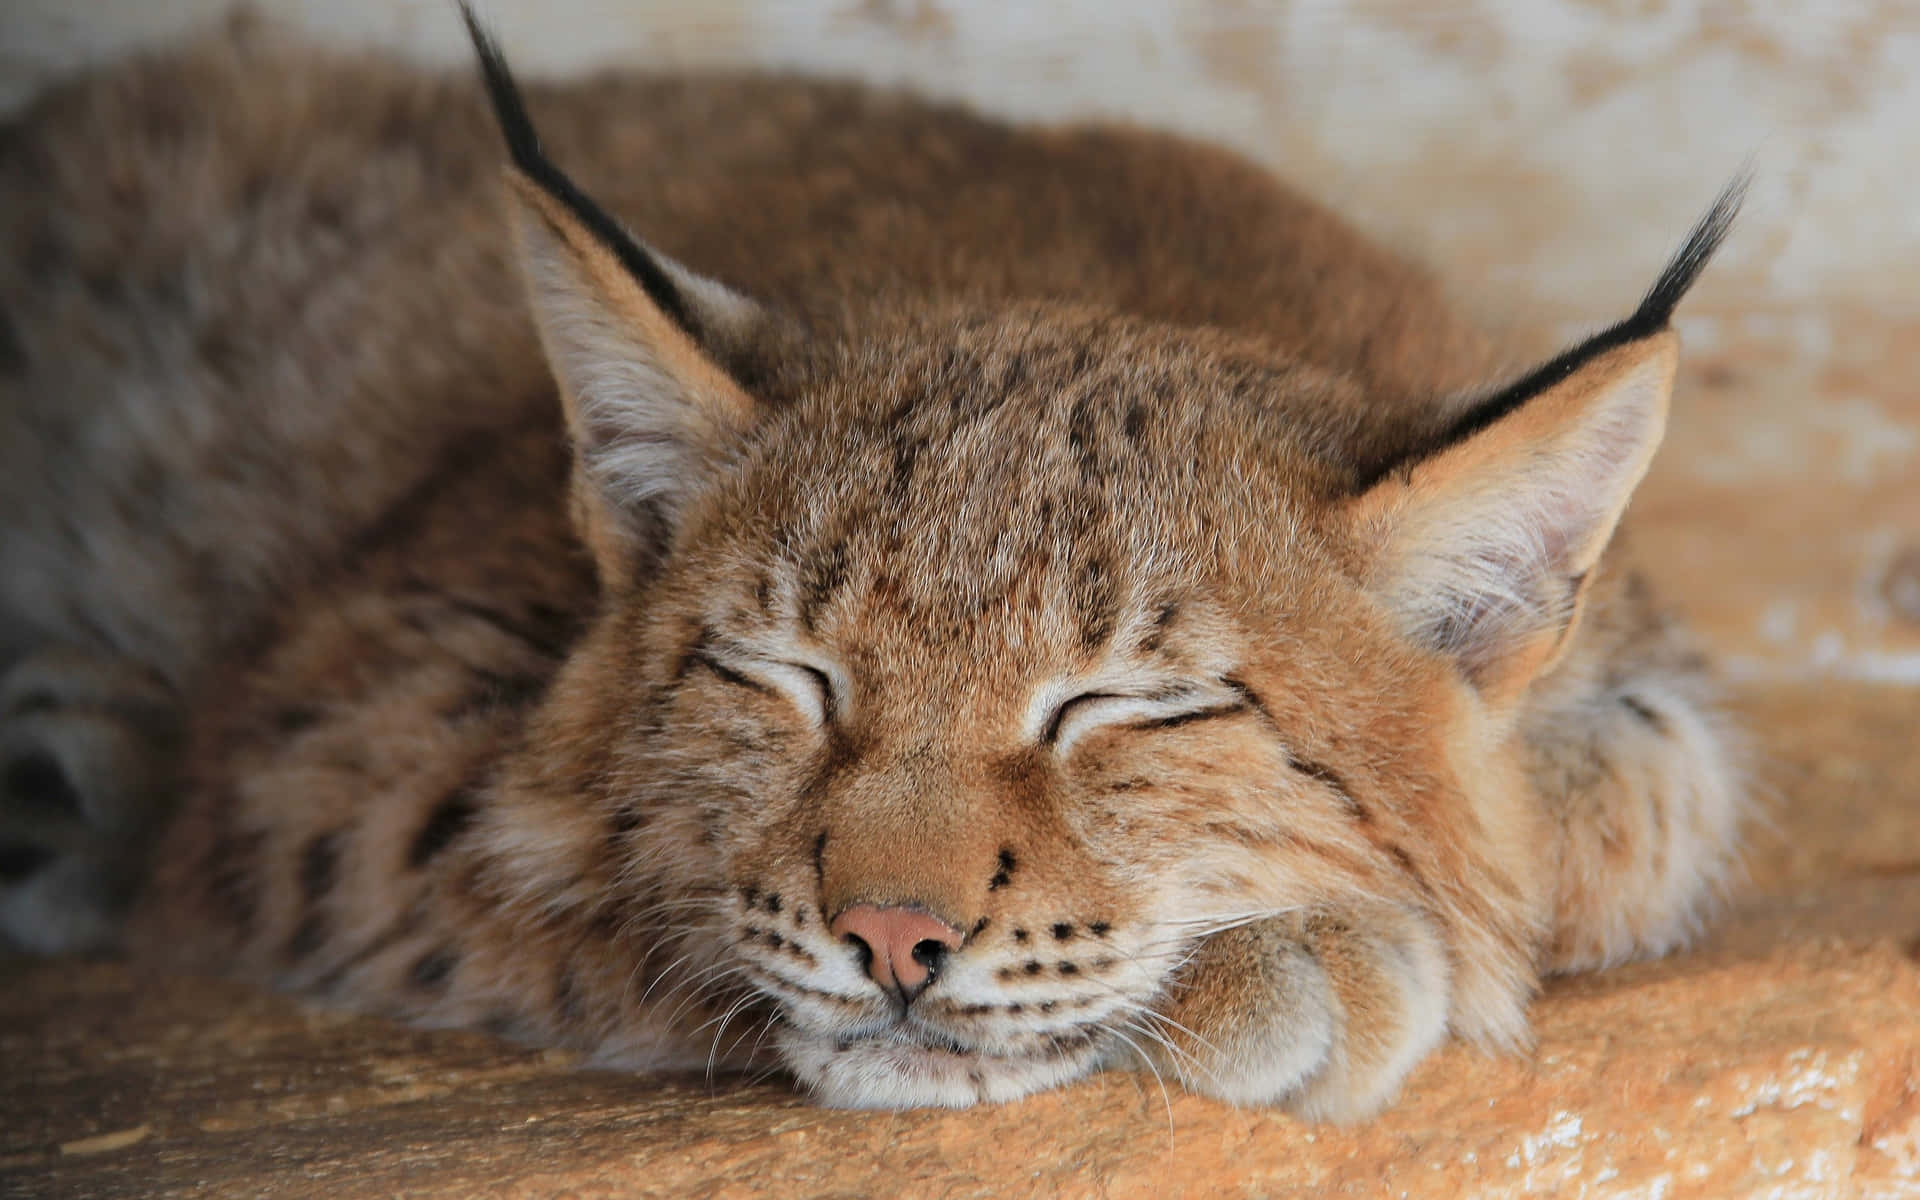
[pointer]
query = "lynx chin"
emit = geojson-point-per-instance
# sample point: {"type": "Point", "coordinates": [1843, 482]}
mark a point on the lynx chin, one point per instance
{"type": "Point", "coordinates": [743, 571]}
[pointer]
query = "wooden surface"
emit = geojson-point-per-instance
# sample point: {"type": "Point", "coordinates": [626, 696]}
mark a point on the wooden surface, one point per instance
{"type": "Point", "coordinates": [1780, 1059]}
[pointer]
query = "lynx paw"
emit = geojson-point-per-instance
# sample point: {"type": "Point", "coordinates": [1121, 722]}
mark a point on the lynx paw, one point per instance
{"type": "Point", "coordinates": [86, 743]}
{"type": "Point", "coordinates": [1322, 1013]}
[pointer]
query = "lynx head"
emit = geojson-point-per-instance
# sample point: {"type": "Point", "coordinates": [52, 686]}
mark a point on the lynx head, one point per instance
{"type": "Point", "coordinates": [957, 674]}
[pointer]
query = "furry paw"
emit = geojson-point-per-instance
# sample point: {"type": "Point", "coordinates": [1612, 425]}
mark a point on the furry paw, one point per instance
{"type": "Point", "coordinates": [86, 747]}
{"type": "Point", "coordinates": [1323, 1013]}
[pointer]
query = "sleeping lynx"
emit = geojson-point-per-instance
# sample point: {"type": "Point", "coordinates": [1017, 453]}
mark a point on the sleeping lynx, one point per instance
{"type": "Point", "coordinates": [994, 604]}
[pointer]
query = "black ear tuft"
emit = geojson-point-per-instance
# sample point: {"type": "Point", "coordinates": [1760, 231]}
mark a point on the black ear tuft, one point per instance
{"type": "Point", "coordinates": [523, 146]}
{"type": "Point", "coordinates": [1683, 268]}
{"type": "Point", "coordinates": [1653, 315]}
{"type": "Point", "coordinates": [523, 142]}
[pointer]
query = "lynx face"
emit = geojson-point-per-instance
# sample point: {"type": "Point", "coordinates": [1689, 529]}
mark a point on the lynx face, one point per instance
{"type": "Point", "coordinates": [1008, 650]}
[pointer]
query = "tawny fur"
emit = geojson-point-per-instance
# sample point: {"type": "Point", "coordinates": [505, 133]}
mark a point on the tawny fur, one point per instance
{"type": "Point", "coordinates": [477, 737]}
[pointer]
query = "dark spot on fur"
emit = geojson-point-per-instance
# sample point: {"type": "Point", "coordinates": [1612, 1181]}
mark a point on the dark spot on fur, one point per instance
{"type": "Point", "coordinates": [1014, 373]}
{"type": "Point", "coordinates": [626, 819]}
{"type": "Point", "coordinates": [307, 936]}
{"type": "Point", "coordinates": [255, 188]}
{"type": "Point", "coordinates": [772, 902]}
{"type": "Point", "coordinates": [608, 923]}
{"type": "Point", "coordinates": [1016, 1008]}
{"type": "Point", "coordinates": [1136, 421]}
{"type": "Point", "coordinates": [1004, 875]}
{"type": "Point", "coordinates": [1020, 935]}
{"type": "Point", "coordinates": [1646, 712]}
{"type": "Point", "coordinates": [1047, 1006]}
{"type": "Point", "coordinates": [36, 701]}
{"type": "Point", "coordinates": [979, 927]}
{"type": "Point", "coordinates": [1156, 634]}
{"type": "Point", "coordinates": [1097, 603]}
{"type": "Point", "coordinates": [295, 719]}
{"type": "Point", "coordinates": [106, 288]}
{"type": "Point", "coordinates": [1033, 967]}
{"type": "Point", "coordinates": [820, 858]}
{"type": "Point", "coordinates": [1099, 929]}
{"type": "Point", "coordinates": [906, 452]}
{"type": "Point", "coordinates": [1062, 931]}
{"type": "Point", "coordinates": [1102, 964]}
{"type": "Point", "coordinates": [36, 783]}
{"type": "Point", "coordinates": [1067, 968]}
{"type": "Point", "coordinates": [799, 915]}
{"type": "Point", "coordinates": [449, 819]}
{"type": "Point", "coordinates": [13, 355]}
{"type": "Point", "coordinates": [501, 1025]}
{"type": "Point", "coordinates": [18, 860]}
{"type": "Point", "coordinates": [1080, 438]}
{"type": "Point", "coordinates": [326, 212]}
{"type": "Point", "coordinates": [403, 927]}
{"type": "Point", "coordinates": [318, 864]}
{"type": "Point", "coordinates": [434, 968]}
{"type": "Point", "coordinates": [821, 577]}
{"type": "Point", "coordinates": [233, 884]}
{"type": "Point", "coordinates": [224, 356]}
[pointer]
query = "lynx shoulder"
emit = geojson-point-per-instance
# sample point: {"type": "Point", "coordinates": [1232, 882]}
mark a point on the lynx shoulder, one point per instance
{"type": "Point", "coordinates": [745, 567]}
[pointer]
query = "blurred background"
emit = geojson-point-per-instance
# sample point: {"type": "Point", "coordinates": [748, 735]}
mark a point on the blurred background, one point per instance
{"type": "Point", "coordinates": [1544, 156]}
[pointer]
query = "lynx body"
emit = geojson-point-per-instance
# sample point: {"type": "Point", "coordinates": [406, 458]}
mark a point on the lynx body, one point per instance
{"type": "Point", "coordinates": [953, 608]}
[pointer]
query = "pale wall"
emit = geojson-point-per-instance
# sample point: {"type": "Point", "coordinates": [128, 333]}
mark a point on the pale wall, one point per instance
{"type": "Point", "coordinates": [1544, 155]}
{"type": "Point", "coordinates": [1562, 145]}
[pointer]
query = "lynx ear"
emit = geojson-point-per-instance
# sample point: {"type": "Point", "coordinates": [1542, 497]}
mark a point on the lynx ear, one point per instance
{"type": "Point", "coordinates": [1480, 542]}
{"type": "Point", "coordinates": [636, 342]}
{"type": "Point", "coordinates": [650, 412]}
{"type": "Point", "coordinates": [1482, 550]}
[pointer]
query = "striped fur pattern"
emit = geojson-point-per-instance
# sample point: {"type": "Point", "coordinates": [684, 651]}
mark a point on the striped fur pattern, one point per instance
{"type": "Point", "coordinates": [420, 594]}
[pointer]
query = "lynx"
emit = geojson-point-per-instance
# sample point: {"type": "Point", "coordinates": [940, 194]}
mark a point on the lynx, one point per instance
{"type": "Point", "coordinates": [955, 608]}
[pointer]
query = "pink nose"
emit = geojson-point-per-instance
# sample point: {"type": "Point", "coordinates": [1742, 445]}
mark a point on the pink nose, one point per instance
{"type": "Point", "coordinates": [905, 946]}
